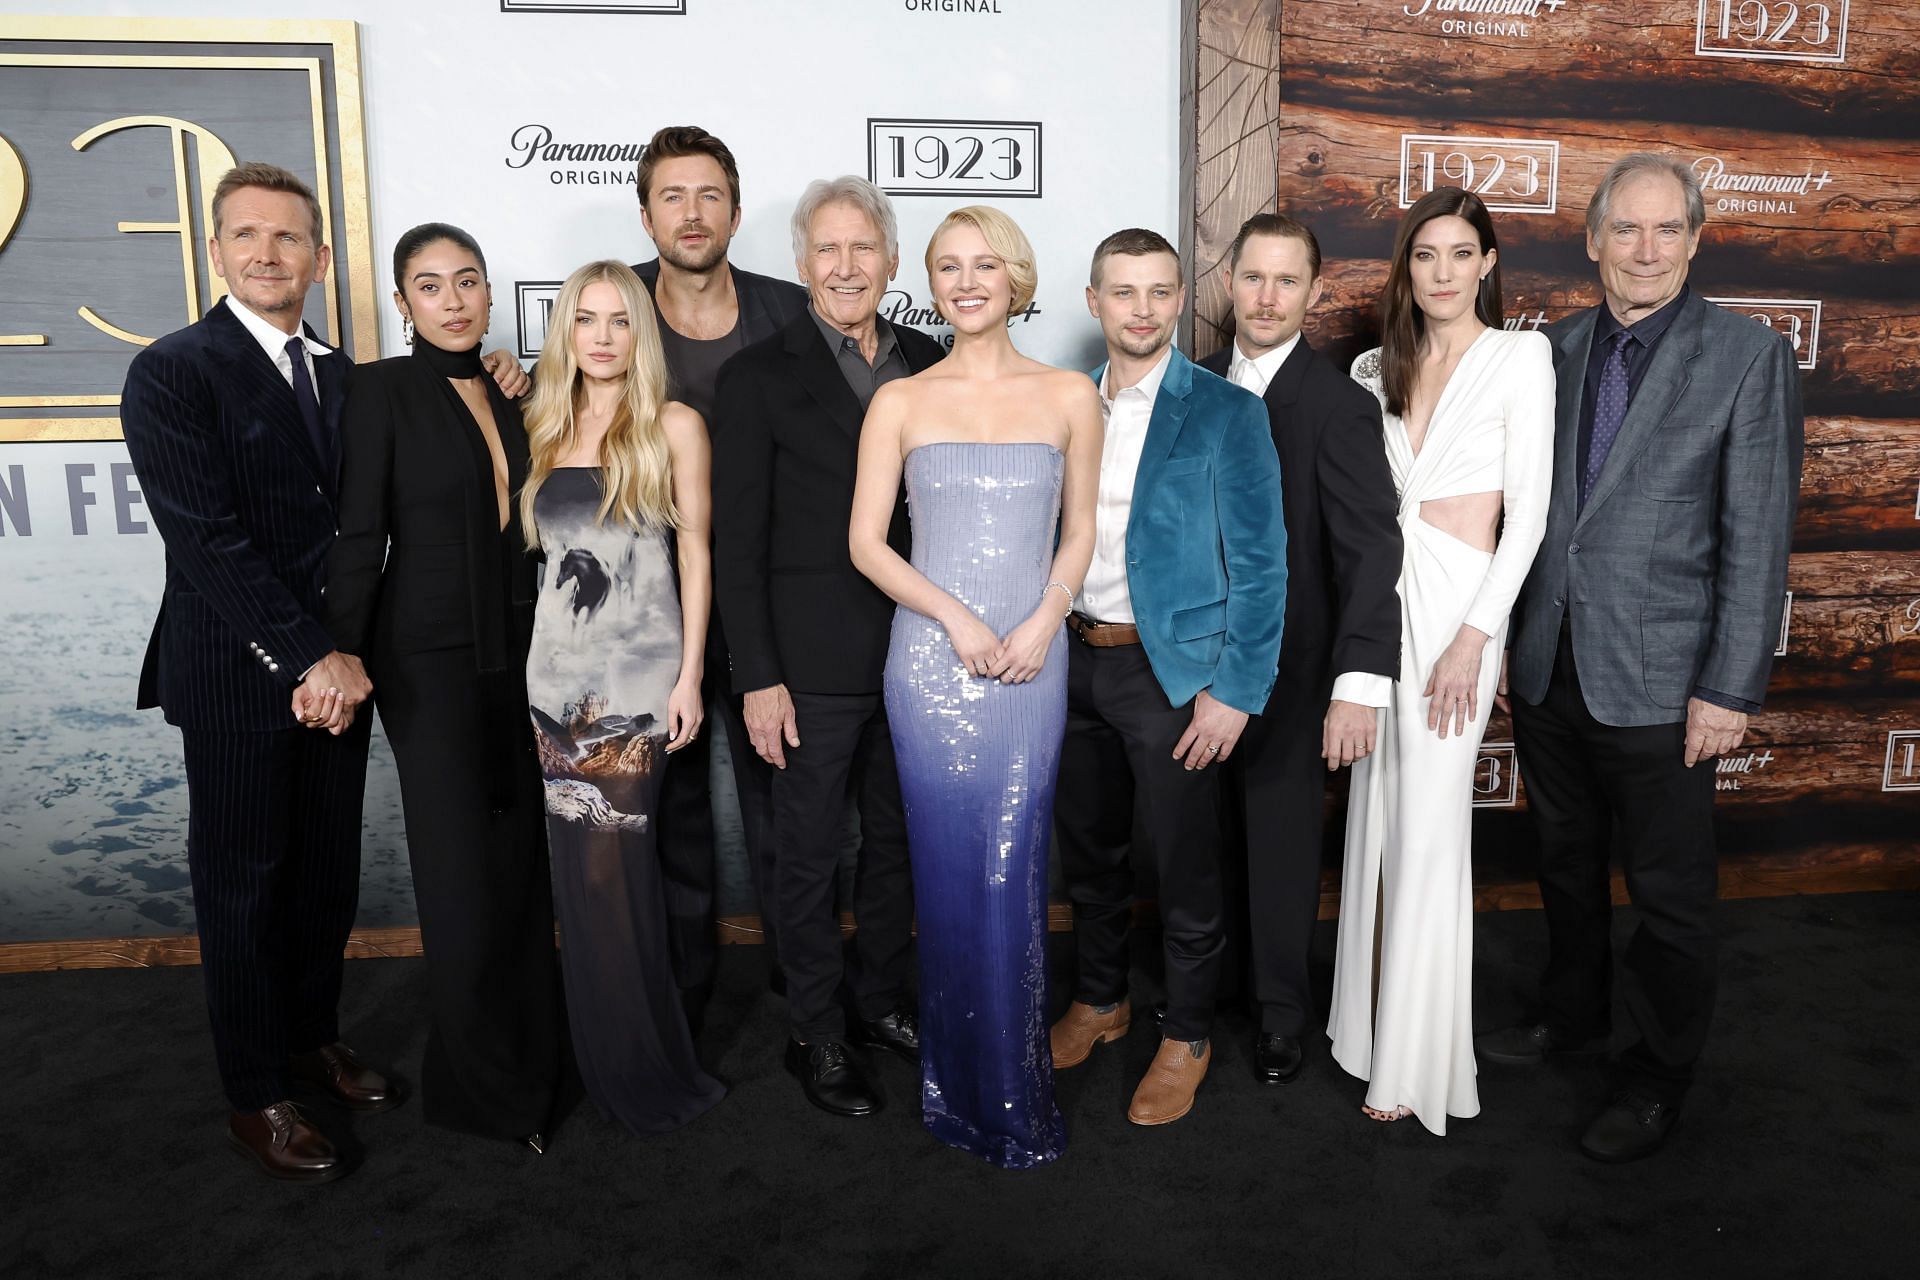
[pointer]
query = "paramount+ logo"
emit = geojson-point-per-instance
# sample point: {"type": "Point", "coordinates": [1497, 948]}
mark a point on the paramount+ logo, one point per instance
{"type": "Point", "coordinates": [571, 162]}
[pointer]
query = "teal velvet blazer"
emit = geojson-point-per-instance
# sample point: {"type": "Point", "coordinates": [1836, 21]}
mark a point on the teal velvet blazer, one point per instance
{"type": "Point", "coordinates": [1207, 542]}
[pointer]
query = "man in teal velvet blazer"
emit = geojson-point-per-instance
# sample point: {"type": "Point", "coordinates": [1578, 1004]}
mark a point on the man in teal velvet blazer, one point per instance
{"type": "Point", "coordinates": [1177, 639]}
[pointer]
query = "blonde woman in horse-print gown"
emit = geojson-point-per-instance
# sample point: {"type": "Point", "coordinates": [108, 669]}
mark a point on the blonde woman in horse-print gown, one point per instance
{"type": "Point", "coordinates": [1469, 411]}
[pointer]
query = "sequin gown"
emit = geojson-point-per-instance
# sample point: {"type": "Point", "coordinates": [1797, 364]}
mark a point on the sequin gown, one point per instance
{"type": "Point", "coordinates": [606, 653]}
{"type": "Point", "coordinates": [977, 762]}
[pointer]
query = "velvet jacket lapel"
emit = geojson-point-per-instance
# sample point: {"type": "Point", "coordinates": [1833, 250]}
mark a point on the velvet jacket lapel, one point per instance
{"type": "Point", "coordinates": [1169, 413]}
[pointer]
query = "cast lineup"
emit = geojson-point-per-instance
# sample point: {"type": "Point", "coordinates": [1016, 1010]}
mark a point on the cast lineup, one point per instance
{"type": "Point", "coordinates": [1137, 615]}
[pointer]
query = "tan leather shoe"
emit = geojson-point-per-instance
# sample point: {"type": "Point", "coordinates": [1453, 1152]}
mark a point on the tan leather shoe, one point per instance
{"type": "Point", "coordinates": [1084, 1026]}
{"type": "Point", "coordinates": [1166, 1092]}
{"type": "Point", "coordinates": [282, 1144]}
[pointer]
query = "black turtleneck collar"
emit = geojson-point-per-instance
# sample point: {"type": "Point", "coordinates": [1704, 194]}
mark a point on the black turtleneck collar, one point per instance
{"type": "Point", "coordinates": [448, 364]}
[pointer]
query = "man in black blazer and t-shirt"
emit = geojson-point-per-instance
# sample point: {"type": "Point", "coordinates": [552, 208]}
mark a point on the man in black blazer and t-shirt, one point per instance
{"type": "Point", "coordinates": [232, 424]}
{"type": "Point", "coordinates": [809, 632]}
{"type": "Point", "coordinates": [689, 188]}
{"type": "Point", "coordinates": [1341, 649]}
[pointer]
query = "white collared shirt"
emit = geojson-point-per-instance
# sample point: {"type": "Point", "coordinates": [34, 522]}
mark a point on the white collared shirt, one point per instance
{"type": "Point", "coordinates": [1256, 374]}
{"type": "Point", "coordinates": [274, 342]}
{"type": "Point", "coordinates": [1366, 688]}
{"type": "Point", "coordinates": [1105, 597]}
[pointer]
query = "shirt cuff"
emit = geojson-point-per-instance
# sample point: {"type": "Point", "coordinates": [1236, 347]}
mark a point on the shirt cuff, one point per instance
{"type": "Point", "coordinates": [1726, 700]}
{"type": "Point", "coordinates": [1367, 688]}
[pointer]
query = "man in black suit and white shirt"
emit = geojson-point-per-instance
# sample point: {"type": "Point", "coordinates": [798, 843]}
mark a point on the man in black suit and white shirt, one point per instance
{"type": "Point", "coordinates": [808, 631]}
{"type": "Point", "coordinates": [1341, 647]}
{"type": "Point", "coordinates": [1644, 636]}
{"type": "Point", "coordinates": [689, 188]}
{"type": "Point", "coordinates": [232, 425]}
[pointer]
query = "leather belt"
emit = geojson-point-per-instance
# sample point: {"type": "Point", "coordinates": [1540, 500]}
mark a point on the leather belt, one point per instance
{"type": "Point", "coordinates": [1102, 635]}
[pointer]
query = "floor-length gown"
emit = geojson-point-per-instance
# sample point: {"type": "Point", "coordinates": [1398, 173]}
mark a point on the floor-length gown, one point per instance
{"type": "Point", "coordinates": [1407, 884]}
{"type": "Point", "coordinates": [977, 761]}
{"type": "Point", "coordinates": [606, 653]}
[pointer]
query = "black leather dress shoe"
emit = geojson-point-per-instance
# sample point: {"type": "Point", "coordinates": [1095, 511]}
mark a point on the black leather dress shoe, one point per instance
{"type": "Point", "coordinates": [282, 1144]}
{"type": "Point", "coordinates": [1528, 1045]}
{"type": "Point", "coordinates": [1276, 1059]}
{"type": "Point", "coordinates": [338, 1075]}
{"type": "Point", "coordinates": [1631, 1126]}
{"type": "Point", "coordinates": [898, 1032]}
{"type": "Point", "coordinates": [832, 1078]}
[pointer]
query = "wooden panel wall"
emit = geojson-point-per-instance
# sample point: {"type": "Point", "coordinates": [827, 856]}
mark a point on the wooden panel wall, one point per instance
{"type": "Point", "coordinates": [1804, 122]}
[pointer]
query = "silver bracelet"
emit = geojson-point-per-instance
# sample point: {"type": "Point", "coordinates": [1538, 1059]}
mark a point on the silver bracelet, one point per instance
{"type": "Point", "coordinates": [1063, 587]}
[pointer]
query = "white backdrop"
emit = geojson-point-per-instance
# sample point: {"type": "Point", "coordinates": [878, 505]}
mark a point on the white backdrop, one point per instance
{"type": "Point", "coordinates": [92, 813]}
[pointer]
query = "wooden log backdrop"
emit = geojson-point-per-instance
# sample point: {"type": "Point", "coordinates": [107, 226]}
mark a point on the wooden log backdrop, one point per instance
{"type": "Point", "coordinates": [1803, 124]}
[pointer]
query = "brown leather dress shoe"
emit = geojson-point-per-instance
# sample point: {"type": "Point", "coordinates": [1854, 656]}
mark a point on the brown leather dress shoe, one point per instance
{"type": "Point", "coordinates": [1166, 1092]}
{"type": "Point", "coordinates": [337, 1072]}
{"type": "Point", "coordinates": [283, 1145]}
{"type": "Point", "coordinates": [1084, 1026]}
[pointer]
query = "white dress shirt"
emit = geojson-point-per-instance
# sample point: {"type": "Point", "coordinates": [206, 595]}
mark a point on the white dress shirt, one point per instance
{"type": "Point", "coordinates": [1366, 688]}
{"type": "Point", "coordinates": [274, 342]}
{"type": "Point", "coordinates": [1105, 597]}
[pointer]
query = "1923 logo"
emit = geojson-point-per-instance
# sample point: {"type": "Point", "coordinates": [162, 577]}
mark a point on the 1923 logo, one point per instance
{"type": "Point", "coordinates": [955, 157]}
{"type": "Point", "coordinates": [1772, 30]}
{"type": "Point", "coordinates": [1798, 318]}
{"type": "Point", "coordinates": [1513, 175]}
{"type": "Point", "coordinates": [1496, 778]}
{"type": "Point", "coordinates": [1903, 761]}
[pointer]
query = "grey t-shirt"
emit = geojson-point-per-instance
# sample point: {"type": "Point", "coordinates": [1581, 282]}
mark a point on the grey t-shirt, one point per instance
{"type": "Point", "coordinates": [693, 365]}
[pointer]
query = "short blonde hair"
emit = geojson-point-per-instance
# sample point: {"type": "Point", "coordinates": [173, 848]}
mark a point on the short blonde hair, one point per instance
{"type": "Point", "coordinates": [1008, 242]}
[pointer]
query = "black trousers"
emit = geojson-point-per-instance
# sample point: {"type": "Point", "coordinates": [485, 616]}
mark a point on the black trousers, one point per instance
{"type": "Point", "coordinates": [1118, 750]}
{"type": "Point", "coordinates": [475, 809]}
{"type": "Point", "coordinates": [686, 835]}
{"type": "Point", "coordinates": [845, 749]}
{"type": "Point", "coordinates": [1275, 788]}
{"type": "Point", "coordinates": [1594, 789]}
{"type": "Point", "coordinates": [273, 848]}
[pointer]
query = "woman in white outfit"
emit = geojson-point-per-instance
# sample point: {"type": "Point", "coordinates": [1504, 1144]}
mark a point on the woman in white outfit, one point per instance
{"type": "Point", "coordinates": [1469, 414]}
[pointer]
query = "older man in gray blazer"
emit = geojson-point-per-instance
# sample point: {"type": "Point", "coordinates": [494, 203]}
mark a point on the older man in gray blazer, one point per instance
{"type": "Point", "coordinates": [1644, 636]}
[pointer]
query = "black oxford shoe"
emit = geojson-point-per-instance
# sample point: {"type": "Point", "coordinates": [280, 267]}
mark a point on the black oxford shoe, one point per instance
{"type": "Point", "coordinates": [898, 1032]}
{"type": "Point", "coordinates": [1528, 1045]}
{"type": "Point", "coordinates": [1277, 1059]}
{"type": "Point", "coordinates": [1631, 1126]}
{"type": "Point", "coordinates": [831, 1078]}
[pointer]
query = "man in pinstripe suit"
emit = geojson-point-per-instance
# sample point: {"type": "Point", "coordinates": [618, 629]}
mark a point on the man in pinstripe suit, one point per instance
{"type": "Point", "coordinates": [232, 426]}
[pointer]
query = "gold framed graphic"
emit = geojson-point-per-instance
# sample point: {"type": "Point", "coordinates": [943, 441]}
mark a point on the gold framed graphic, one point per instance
{"type": "Point", "coordinates": [287, 91]}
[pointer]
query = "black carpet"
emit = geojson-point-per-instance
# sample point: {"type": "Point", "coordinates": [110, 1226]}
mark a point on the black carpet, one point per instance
{"type": "Point", "coordinates": [1798, 1154]}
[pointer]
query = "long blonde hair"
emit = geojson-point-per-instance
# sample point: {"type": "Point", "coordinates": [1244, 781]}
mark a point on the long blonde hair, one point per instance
{"type": "Point", "coordinates": [638, 487]}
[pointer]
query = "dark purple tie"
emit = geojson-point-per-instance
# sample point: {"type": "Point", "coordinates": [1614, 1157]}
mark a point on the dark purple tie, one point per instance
{"type": "Point", "coordinates": [1609, 411]}
{"type": "Point", "coordinates": [303, 395]}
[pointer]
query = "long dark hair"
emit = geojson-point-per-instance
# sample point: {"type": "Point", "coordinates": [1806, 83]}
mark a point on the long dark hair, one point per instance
{"type": "Point", "coordinates": [1403, 326]}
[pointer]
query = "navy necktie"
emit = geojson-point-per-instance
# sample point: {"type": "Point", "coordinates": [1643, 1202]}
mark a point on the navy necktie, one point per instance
{"type": "Point", "coordinates": [1609, 411]}
{"type": "Point", "coordinates": [309, 402]}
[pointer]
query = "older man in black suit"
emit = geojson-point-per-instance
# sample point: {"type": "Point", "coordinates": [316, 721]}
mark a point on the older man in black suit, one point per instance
{"type": "Point", "coordinates": [1341, 649]}
{"type": "Point", "coordinates": [1644, 637]}
{"type": "Point", "coordinates": [710, 310]}
{"type": "Point", "coordinates": [808, 632]}
{"type": "Point", "coordinates": [232, 425]}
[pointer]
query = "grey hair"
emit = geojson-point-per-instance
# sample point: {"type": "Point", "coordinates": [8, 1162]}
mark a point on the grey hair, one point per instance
{"type": "Point", "coordinates": [845, 189]}
{"type": "Point", "coordinates": [1646, 162]}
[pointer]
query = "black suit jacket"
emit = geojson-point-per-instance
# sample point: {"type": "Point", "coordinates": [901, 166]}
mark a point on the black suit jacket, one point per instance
{"type": "Point", "coordinates": [418, 564]}
{"type": "Point", "coordinates": [1343, 528]}
{"type": "Point", "coordinates": [786, 438]}
{"type": "Point", "coordinates": [246, 510]}
{"type": "Point", "coordinates": [766, 305]}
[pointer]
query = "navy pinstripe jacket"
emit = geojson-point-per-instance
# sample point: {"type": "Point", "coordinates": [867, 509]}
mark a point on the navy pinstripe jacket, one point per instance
{"type": "Point", "coordinates": [247, 514]}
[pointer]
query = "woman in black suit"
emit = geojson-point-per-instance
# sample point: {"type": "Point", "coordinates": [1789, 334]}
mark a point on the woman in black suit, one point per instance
{"type": "Point", "coordinates": [430, 584]}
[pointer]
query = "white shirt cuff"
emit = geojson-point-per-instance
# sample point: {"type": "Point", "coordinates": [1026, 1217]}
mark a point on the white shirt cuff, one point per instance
{"type": "Point", "coordinates": [1366, 688]}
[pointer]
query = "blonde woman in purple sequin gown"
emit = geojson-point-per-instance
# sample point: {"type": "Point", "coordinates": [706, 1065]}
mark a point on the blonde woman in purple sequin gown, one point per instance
{"type": "Point", "coordinates": [994, 448]}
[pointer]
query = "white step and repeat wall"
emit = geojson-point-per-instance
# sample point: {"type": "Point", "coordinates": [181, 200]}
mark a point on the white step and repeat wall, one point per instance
{"type": "Point", "coordinates": [513, 119]}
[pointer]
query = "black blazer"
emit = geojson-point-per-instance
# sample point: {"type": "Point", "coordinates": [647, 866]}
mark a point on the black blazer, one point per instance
{"type": "Point", "coordinates": [1343, 526]}
{"type": "Point", "coordinates": [246, 510]}
{"type": "Point", "coordinates": [786, 438]}
{"type": "Point", "coordinates": [420, 562]}
{"type": "Point", "coordinates": [766, 305]}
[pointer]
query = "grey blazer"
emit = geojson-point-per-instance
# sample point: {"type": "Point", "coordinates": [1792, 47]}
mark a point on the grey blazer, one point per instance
{"type": "Point", "coordinates": [1674, 572]}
